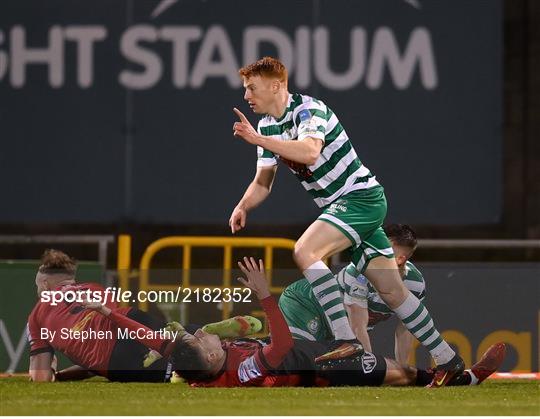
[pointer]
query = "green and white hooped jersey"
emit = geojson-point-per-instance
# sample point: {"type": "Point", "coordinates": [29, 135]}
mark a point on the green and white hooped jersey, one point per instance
{"type": "Point", "coordinates": [338, 170]}
{"type": "Point", "coordinates": [348, 281]}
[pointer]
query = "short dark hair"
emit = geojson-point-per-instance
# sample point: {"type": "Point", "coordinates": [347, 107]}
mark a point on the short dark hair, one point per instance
{"type": "Point", "coordinates": [188, 362]}
{"type": "Point", "coordinates": [57, 262]}
{"type": "Point", "coordinates": [402, 235]}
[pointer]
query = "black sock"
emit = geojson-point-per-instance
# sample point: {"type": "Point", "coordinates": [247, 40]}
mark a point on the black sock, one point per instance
{"type": "Point", "coordinates": [423, 378]}
{"type": "Point", "coordinates": [463, 379]}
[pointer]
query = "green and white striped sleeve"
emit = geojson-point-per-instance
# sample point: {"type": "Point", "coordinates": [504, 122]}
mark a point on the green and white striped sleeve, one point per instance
{"type": "Point", "coordinates": [414, 281]}
{"type": "Point", "coordinates": [353, 285]}
{"type": "Point", "coordinates": [265, 158]}
{"type": "Point", "coordinates": [311, 120]}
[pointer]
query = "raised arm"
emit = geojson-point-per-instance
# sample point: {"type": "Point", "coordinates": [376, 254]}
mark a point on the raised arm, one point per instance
{"type": "Point", "coordinates": [274, 353]}
{"type": "Point", "coordinates": [305, 151]}
{"type": "Point", "coordinates": [257, 191]}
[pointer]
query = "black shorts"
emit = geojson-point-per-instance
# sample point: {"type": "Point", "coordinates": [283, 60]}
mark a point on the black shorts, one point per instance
{"type": "Point", "coordinates": [126, 363]}
{"type": "Point", "coordinates": [365, 370]}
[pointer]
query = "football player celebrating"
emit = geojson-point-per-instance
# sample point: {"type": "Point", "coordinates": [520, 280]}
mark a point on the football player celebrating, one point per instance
{"type": "Point", "coordinates": [306, 135]}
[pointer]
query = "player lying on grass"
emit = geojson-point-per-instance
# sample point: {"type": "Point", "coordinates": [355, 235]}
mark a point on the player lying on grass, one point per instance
{"type": "Point", "coordinates": [110, 354]}
{"type": "Point", "coordinates": [204, 361]}
{"type": "Point", "coordinates": [364, 306]}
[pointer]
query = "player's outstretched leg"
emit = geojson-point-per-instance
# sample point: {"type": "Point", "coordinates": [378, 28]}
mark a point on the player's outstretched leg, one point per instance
{"type": "Point", "coordinates": [235, 327]}
{"type": "Point", "coordinates": [152, 356]}
{"type": "Point", "coordinates": [383, 274]}
{"type": "Point", "coordinates": [397, 374]}
{"type": "Point", "coordinates": [487, 365]}
{"type": "Point", "coordinates": [354, 349]}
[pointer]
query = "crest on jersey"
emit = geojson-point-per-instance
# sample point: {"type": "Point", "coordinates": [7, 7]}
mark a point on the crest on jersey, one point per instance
{"type": "Point", "coordinates": [313, 325]}
{"type": "Point", "coordinates": [369, 362]}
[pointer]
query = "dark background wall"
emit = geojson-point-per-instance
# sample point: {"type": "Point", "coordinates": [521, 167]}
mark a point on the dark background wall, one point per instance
{"type": "Point", "coordinates": [419, 91]}
{"type": "Point", "coordinates": [458, 157]}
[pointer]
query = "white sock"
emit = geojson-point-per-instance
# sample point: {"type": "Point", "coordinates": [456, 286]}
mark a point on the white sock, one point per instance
{"type": "Point", "coordinates": [417, 320]}
{"type": "Point", "coordinates": [326, 290]}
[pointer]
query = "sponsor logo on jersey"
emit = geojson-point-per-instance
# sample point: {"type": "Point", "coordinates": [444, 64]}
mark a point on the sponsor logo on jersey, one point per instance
{"type": "Point", "coordinates": [248, 370]}
{"type": "Point", "coordinates": [335, 208]}
{"type": "Point", "coordinates": [304, 115]}
{"type": "Point", "coordinates": [369, 362]}
{"type": "Point", "coordinates": [81, 324]}
{"type": "Point", "coordinates": [308, 128]}
{"type": "Point", "coordinates": [320, 295]}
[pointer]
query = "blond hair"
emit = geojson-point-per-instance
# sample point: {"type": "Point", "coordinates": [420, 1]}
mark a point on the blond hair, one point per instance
{"type": "Point", "coordinates": [57, 262]}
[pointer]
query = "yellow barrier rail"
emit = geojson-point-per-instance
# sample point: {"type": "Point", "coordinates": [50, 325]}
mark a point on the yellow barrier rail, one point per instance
{"type": "Point", "coordinates": [187, 243]}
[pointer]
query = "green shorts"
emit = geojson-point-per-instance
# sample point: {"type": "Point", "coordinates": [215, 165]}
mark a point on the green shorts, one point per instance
{"type": "Point", "coordinates": [359, 216]}
{"type": "Point", "coordinates": [303, 314]}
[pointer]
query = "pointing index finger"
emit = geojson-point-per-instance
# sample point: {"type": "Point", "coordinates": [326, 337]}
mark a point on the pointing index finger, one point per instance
{"type": "Point", "coordinates": [240, 115]}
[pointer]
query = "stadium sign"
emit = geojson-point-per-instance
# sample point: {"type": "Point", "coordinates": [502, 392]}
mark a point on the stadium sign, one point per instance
{"type": "Point", "coordinates": [154, 82]}
{"type": "Point", "coordinates": [305, 51]}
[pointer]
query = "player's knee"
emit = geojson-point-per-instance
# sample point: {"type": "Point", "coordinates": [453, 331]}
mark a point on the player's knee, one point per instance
{"type": "Point", "coordinates": [302, 256]}
{"type": "Point", "coordinates": [394, 297]}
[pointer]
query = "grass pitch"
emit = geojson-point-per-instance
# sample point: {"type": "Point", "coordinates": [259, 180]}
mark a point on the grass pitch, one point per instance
{"type": "Point", "coordinates": [98, 397]}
